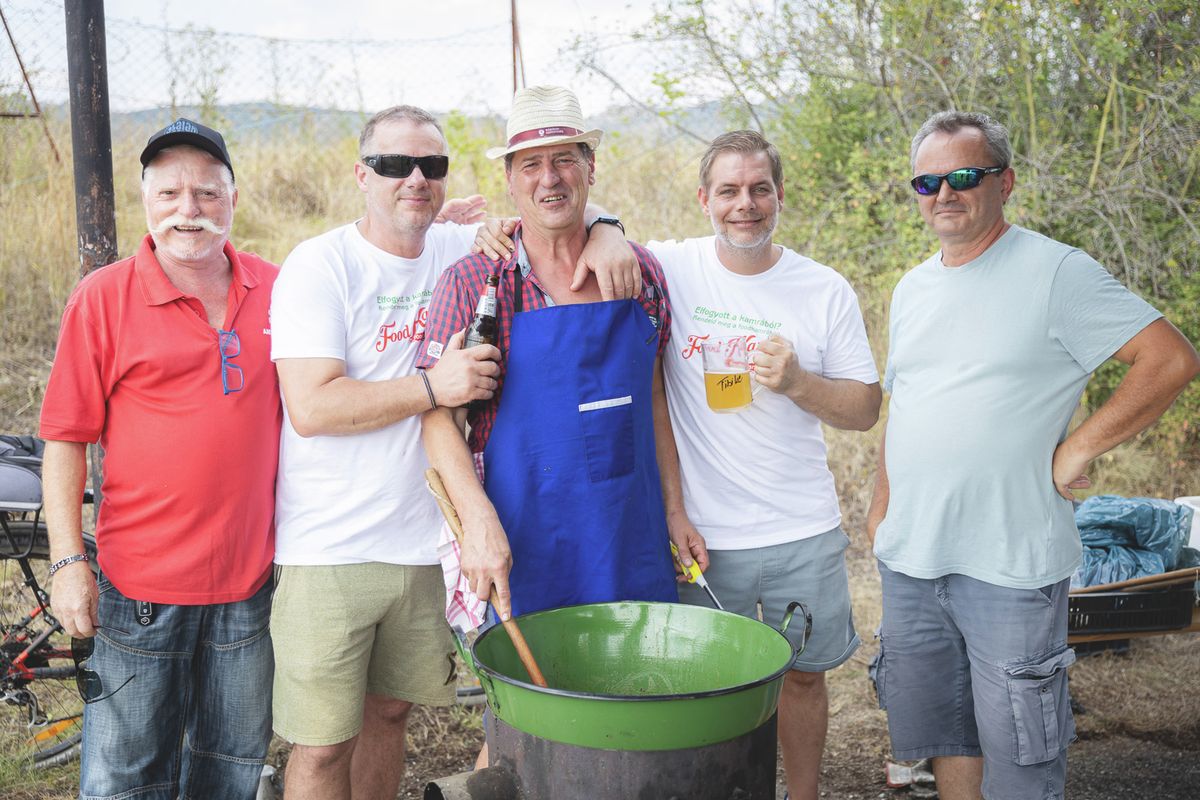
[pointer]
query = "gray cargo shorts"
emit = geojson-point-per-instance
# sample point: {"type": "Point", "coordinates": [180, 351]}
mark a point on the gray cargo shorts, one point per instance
{"type": "Point", "coordinates": [968, 668]}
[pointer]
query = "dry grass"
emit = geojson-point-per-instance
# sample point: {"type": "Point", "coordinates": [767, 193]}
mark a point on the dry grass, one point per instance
{"type": "Point", "coordinates": [288, 195]}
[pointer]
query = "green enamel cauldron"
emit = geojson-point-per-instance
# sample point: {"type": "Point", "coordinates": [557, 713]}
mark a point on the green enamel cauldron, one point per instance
{"type": "Point", "coordinates": [637, 676]}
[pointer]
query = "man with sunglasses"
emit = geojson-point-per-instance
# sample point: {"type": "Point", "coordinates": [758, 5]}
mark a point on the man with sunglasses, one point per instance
{"type": "Point", "coordinates": [993, 339]}
{"type": "Point", "coordinates": [358, 619]}
{"type": "Point", "coordinates": [164, 358]}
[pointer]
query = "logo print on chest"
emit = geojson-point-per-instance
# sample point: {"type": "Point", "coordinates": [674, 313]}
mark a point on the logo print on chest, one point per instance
{"type": "Point", "coordinates": [414, 331]}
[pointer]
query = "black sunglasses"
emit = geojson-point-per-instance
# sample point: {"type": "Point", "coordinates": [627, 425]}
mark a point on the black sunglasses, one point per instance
{"type": "Point", "coordinates": [87, 681]}
{"type": "Point", "coordinates": [398, 166]}
{"type": "Point", "coordinates": [959, 179]}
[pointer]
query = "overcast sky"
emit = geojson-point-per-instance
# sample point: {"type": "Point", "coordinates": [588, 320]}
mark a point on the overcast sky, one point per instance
{"type": "Point", "coordinates": [545, 26]}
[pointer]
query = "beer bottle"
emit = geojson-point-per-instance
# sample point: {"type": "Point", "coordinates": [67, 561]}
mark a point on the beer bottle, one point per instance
{"type": "Point", "coordinates": [484, 328]}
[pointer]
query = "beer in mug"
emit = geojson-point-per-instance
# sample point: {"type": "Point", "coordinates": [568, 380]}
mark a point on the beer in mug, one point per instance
{"type": "Point", "coordinates": [726, 374]}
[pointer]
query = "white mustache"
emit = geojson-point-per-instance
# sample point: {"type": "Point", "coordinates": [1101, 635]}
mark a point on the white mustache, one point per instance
{"type": "Point", "coordinates": [178, 219]}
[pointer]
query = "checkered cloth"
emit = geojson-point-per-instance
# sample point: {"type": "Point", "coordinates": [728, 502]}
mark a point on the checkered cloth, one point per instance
{"type": "Point", "coordinates": [464, 611]}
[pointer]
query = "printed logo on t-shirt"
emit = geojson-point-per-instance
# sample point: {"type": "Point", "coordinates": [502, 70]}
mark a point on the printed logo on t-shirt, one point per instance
{"type": "Point", "coordinates": [412, 331]}
{"type": "Point", "coordinates": [694, 341]}
{"type": "Point", "coordinates": [736, 321]}
{"type": "Point", "coordinates": [404, 302]}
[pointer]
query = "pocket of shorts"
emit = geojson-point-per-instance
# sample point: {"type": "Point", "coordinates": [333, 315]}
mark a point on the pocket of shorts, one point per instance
{"type": "Point", "coordinates": [1042, 721]}
{"type": "Point", "coordinates": [877, 674]}
{"type": "Point", "coordinates": [608, 437]}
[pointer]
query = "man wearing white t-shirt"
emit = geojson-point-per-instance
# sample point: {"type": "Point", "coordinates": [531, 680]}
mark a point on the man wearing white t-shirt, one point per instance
{"type": "Point", "coordinates": [755, 483]}
{"type": "Point", "coordinates": [753, 493]}
{"type": "Point", "coordinates": [357, 621]}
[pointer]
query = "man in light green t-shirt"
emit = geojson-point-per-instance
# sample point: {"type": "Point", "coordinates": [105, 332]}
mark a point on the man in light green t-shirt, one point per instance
{"type": "Point", "coordinates": [992, 341]}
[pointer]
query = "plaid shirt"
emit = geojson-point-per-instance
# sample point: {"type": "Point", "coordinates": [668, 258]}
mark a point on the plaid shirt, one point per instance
{"type": "Point", "coordinates": [457, 294]}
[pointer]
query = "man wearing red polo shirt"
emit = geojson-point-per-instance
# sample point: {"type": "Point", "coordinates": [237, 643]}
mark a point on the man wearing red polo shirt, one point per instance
{"type": "Point", "coordinates": [164, 358]}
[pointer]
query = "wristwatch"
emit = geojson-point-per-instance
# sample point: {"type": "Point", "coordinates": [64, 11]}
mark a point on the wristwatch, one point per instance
{"type": "Point", "coordinates": [607, 219]}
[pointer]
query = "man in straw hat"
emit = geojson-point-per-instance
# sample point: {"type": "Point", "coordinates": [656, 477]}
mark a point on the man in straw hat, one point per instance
{"type": "Point", "coordinates": [570, 499]}
{"type": "Point", "coordinates": [772, 526]}
{"type": "Point", "coordinates": [360, 591]}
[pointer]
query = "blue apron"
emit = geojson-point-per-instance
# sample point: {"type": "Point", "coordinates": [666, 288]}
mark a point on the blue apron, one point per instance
{"type": "Point", "coordinates": [570, 464]}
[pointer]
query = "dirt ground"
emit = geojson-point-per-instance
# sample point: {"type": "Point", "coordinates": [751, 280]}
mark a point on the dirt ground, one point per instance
{"type": "Point", "coordinates": [1138, 717]}
{"type": "Point", "coordinates": [1122, 754]}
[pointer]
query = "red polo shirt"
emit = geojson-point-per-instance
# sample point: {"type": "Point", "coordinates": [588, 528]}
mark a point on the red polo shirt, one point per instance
{"type": "Point", "coordinates": [189, 471]}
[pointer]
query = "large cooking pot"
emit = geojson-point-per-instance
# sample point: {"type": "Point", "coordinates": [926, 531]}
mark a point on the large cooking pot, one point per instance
{"type": "Point", "coordinates": [636, 675]}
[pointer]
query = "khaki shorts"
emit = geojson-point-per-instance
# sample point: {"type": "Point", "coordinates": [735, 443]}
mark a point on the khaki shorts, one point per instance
{"type": "Point", "coordinates": [343, 632]}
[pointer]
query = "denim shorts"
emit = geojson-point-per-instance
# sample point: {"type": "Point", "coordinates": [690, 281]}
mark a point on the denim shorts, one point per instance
{"type": "Point", "coordinates": [968, 668]}
{"type": "Point", "coordinates": [811, 570]}
{"type": "Point", "coordinates": [186, 702]}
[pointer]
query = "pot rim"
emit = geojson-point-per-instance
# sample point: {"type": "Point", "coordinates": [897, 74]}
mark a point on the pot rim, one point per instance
{"type": "Point", "coordinates": [480, 666]}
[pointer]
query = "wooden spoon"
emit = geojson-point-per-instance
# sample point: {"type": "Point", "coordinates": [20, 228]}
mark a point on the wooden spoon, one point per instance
{"type": "Point", "coordinates": [510, 625]}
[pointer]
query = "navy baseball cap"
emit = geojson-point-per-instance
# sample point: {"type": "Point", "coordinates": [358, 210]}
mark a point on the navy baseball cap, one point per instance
{"type": "Point", "coordinates": [184, 131]}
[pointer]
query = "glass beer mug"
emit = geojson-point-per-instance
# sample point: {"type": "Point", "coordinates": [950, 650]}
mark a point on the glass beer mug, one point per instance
{"type": "Point", "coordinates": [727, 386]}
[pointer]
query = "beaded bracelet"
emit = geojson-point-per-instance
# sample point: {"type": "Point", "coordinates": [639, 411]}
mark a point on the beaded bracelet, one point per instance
{"type": "Point", "coordinates": [428, 390]}
{"type": "Point", "coordinates": [57, 565]}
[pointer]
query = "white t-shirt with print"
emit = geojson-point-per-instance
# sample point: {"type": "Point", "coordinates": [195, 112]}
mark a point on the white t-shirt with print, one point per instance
{"type": "Point", "coordinates": [357, 498]}
{"type": "Point", "coordinates": [757, 477]}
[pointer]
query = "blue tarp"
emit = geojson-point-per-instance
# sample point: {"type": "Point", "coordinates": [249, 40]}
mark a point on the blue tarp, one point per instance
{"type": "Point", "coordinates": [1131, 537]}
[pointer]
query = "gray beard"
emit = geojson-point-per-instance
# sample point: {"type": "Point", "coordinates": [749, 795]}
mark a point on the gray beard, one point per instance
{"type": "Point", "coordinates": [762, 243]}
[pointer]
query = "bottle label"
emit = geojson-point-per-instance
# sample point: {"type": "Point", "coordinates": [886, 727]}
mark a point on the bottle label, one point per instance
{"type": "Point", "coordinates": [487, 304]}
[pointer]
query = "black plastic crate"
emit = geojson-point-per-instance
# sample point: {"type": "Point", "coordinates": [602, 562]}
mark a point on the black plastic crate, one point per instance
{"type": "Point", "coordinates": [1118, 612]}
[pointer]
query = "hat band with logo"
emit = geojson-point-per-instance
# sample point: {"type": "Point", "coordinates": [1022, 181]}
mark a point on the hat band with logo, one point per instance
{"type": "Point", "coordinates": [541, 133]}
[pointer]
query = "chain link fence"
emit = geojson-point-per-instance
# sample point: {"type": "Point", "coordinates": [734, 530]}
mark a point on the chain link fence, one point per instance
{"type": "Point", "coordinates": [251, 87]}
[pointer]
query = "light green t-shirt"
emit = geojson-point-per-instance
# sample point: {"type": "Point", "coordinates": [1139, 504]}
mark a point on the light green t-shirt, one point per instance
{"type": "Point", "coordinates": [986, 364]}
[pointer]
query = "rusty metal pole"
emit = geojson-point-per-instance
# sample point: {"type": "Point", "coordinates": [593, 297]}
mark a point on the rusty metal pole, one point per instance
{"type": "Point", "coordinates": [91, 146]}
{"type": "Point", "coordinates": [91, 137]}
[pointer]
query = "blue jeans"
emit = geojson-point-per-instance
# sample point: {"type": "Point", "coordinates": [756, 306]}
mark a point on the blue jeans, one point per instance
{"type": "Point", "coordinates": [196, 674]}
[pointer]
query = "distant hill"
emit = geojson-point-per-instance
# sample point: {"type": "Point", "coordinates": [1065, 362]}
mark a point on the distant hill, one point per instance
{"type": "Point", "coordinates": [249, 121]}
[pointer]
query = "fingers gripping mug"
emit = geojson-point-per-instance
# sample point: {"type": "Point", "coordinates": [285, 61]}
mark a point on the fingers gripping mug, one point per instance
{"type": "Point", "coordinates": [727, 386]}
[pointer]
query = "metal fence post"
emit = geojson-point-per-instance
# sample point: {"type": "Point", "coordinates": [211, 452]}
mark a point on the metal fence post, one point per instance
{"type": "Point", "coordinates": [91, 136]}
{"type": "Point", "coordinates": [91, 145]}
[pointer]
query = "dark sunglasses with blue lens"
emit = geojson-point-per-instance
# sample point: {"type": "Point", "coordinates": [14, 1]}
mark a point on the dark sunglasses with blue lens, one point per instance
{"type": "Point", "coordinates": [959, 179]}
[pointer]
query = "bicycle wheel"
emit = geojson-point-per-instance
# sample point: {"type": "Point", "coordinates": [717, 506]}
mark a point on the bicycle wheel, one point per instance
{"type": "Point", "coordinates": [42, 720]}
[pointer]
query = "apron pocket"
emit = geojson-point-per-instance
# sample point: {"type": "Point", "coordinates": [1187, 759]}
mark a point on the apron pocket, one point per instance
{"type": "Point", "coordinates": [608, 437]}
{"type": "Point", "coordinates": [1042, 719]}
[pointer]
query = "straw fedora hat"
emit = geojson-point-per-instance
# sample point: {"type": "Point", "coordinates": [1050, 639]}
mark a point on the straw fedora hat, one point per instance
{"type": "Point", "coordinates": [543, 115]}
